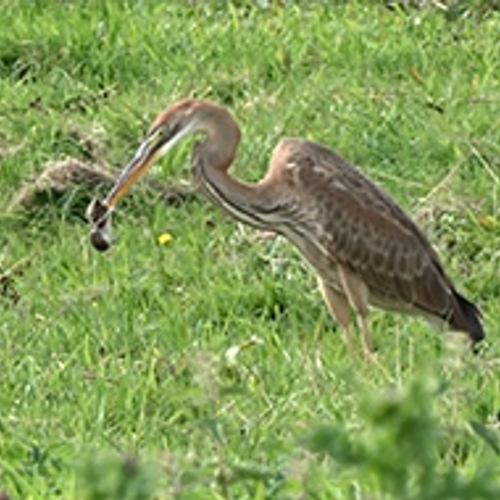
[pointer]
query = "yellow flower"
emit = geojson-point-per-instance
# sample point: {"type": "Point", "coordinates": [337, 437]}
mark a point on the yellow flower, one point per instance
{"type": "Point", "coordinates": [489, 222]}
{"type": "Point", "coordinates": [165, 238]}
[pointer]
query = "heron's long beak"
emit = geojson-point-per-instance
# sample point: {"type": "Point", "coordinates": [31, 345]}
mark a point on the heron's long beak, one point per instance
{"type": "Point", "coordinates": [145, 156]}
{"type": "Point", "coordinates": [152, 148]}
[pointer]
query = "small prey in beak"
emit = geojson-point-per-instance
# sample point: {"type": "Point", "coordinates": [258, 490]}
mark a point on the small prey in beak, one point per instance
{"type": "Point", "coordinates": [99, 216]}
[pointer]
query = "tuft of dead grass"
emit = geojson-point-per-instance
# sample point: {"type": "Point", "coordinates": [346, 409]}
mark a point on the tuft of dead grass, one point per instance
{"type": "Point", "coordinates": [60, 177]}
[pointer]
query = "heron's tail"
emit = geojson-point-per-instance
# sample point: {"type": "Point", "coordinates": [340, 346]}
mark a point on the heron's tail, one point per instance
{"type": "Point", "coordinates": [466, 317]}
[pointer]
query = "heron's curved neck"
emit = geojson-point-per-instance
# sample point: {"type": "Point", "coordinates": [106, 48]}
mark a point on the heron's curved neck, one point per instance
{"type": "Point", "coordinates": [211, 160]}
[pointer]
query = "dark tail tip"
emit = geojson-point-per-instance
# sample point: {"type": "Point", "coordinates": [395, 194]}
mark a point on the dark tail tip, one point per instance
{"type": "Point", "coordinates": [467, 319]}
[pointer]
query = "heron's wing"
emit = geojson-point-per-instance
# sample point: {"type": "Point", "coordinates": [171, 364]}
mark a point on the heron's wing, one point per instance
{"type": "Point", "coordinates": [363, 229]}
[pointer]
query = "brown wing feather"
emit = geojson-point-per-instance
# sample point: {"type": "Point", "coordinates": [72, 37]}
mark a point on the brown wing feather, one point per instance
{"type": "Point", "coordinates": [366, 231]}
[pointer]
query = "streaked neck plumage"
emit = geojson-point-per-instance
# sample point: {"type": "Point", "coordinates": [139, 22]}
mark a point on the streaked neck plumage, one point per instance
{"type": "Point", "coordinates": [211, 159]}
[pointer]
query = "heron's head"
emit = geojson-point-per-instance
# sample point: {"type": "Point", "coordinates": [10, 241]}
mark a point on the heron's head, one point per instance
{"type": "Point", "coordinates": [167, 129]}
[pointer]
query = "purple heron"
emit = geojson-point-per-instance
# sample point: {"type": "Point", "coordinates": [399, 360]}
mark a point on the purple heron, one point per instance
{"type": "Point", "coordinates": [363, 247]}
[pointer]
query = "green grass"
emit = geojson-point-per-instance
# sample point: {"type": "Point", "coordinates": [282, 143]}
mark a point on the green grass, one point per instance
{"type": "Point", "coordinates": [114, 381]}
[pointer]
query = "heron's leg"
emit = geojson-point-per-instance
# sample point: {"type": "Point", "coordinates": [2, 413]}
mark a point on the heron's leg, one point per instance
{"type": "Point", "coordinates": [367, 338]}
{"type": "Point", "coordinates": [340, 310]}
{"type": "Point", "coordinates": [357, 294]}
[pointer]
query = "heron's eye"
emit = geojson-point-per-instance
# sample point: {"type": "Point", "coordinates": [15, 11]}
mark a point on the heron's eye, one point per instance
{"type": "Point", "coordinates": [160, 134]}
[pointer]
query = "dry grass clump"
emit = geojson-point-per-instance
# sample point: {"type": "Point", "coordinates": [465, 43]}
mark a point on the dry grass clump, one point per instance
{"type": "Point", "coordinates": [62, 177]}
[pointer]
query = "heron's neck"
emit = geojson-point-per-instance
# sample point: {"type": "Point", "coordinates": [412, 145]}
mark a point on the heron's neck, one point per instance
{"type": "Point", "coordinates": [211, 160]}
